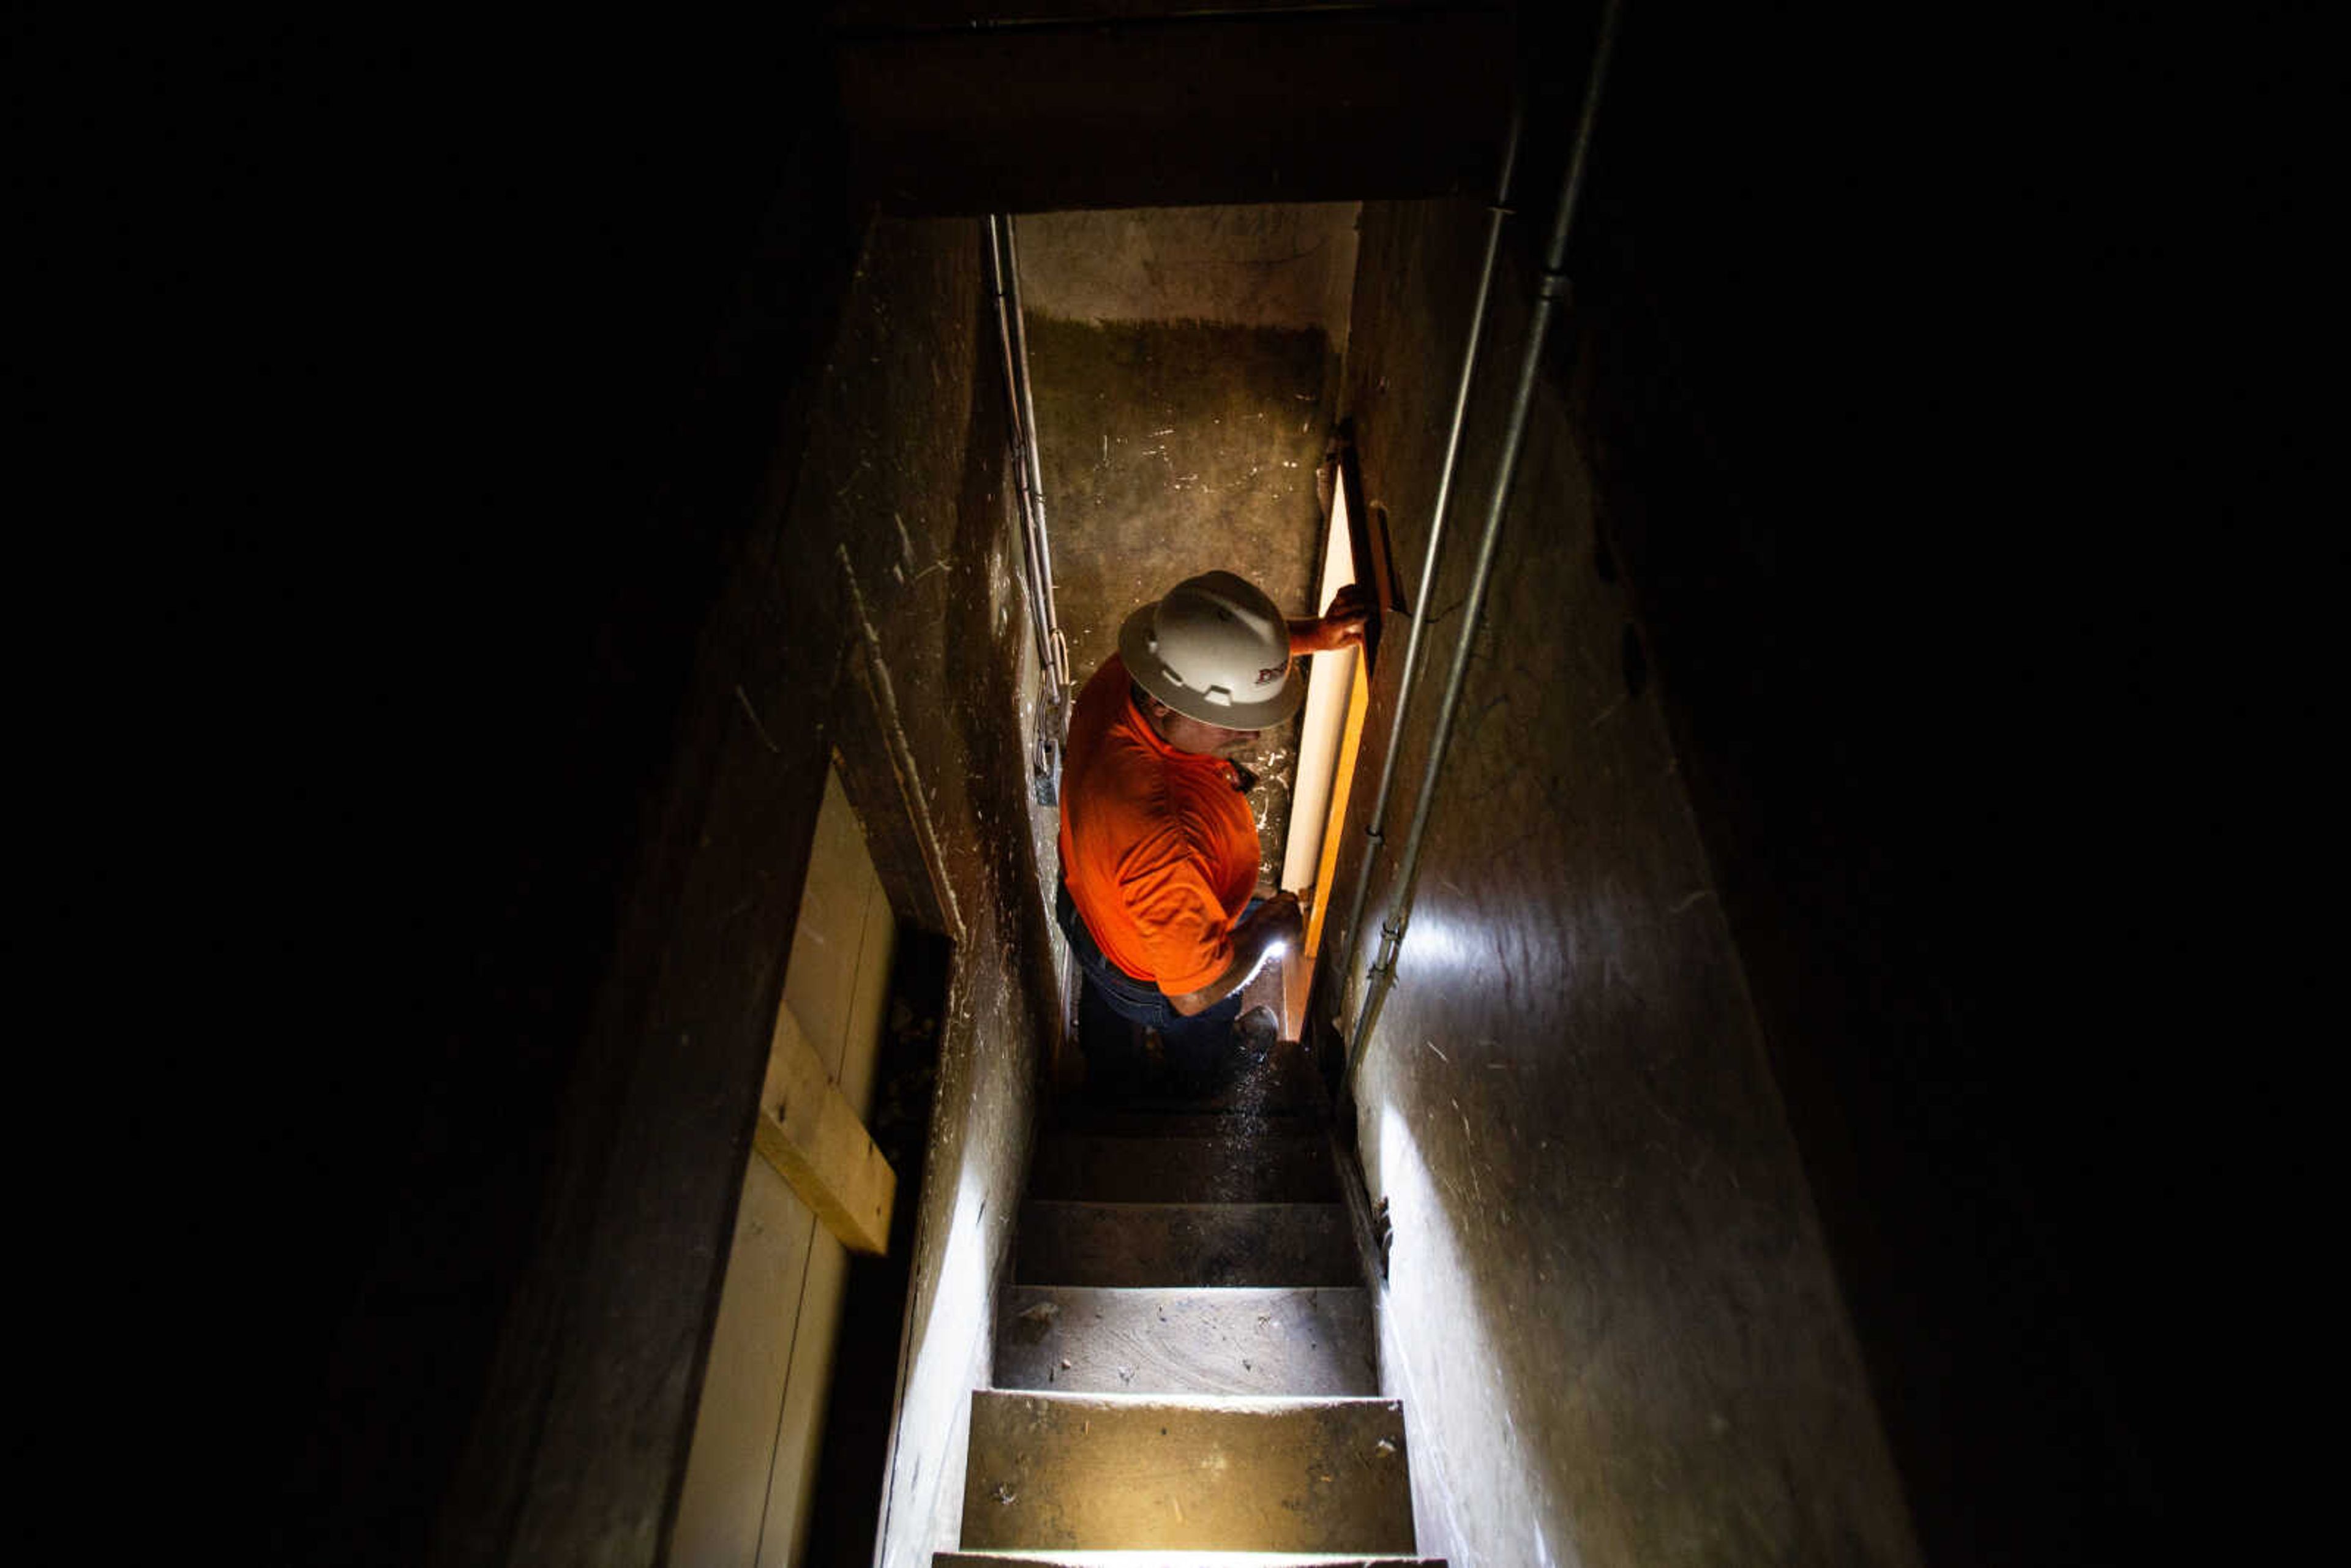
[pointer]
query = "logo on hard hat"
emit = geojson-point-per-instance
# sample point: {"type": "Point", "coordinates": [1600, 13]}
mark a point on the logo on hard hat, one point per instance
{"type": "Point", "coordinates": [1266, 677]}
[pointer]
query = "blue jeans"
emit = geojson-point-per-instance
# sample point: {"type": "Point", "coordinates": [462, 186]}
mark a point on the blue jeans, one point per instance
{"type": "Point", "coordinates": [1195, 1043]}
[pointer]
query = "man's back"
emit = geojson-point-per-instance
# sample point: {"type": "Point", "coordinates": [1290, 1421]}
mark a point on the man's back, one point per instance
{"type": "Point", "coordinates": [1158, 847]}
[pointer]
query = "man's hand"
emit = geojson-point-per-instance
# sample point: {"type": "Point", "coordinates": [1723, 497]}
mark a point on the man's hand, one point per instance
{"type": "Point", "coordinates": [1284, 915]}
{"type": "Point", "coordinates": [1342, 625]}
{"type": "Point", "coordinates": [1277, 923]}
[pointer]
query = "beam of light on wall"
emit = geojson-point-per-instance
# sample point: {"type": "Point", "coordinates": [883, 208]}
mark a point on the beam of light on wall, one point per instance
{"type": "Point", "coordinates": [1435, 1337]}
{"type": "Point", "coordinates": [959, 1303]}
{"type": "Point", "coordinates": [1442, 950]}
{"type": "Point", "coordinates": [944, 1359]}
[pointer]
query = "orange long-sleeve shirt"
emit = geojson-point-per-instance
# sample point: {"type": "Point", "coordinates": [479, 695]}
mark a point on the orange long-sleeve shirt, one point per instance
{"type": "Point", "coordinates": [1158, 847]}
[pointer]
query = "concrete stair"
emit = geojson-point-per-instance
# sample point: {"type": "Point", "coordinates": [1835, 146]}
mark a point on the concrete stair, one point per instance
{"type": "Point", "coordinates": [1195, 1244]}
{"type": "Point", "coordinates": [1186, 1369]}
{"type": "Point", "coordinates": [1226, 1165]}
{"type": "Point", "coordinates": [1082, 1340]}
{"type": "Point", "coordinates": [1105, 1471]}
{"type": "Point", "coordinates": [1173, 1560]}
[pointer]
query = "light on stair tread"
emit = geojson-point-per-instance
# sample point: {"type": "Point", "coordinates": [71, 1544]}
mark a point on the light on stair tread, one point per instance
{"type": "Point", "coordinates": [1259, 1403]}
{"type": "Point", "coordinates": [1164, 1558]}
{"type": "Point", "coordinates": [1099, 1472]}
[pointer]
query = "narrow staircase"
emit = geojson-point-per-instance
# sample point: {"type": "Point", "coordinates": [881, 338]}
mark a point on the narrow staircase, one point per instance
{"type": "Point", "coordinates": [1185, 1365]}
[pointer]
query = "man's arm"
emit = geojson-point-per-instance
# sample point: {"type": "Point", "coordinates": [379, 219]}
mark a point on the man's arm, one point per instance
{"type": "Point", "coordinates": [1278, 923]}
{"type": "Point", "coordinates": [1341, 626]}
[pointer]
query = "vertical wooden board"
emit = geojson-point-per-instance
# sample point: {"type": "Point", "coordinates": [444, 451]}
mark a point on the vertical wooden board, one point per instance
{"type": "Point", "coordinates": [1342, 787]}
{"type": "Point", "coordinates": [868, 996]}
{"type": "Point", "coordinates": [726, 1473]}
{"type": "Point", "coordinates": [1297, 979]}
{"type": "Point", "coordinates": [798, 1435]}
{"type": "Point", "coordinates": [820, 979]}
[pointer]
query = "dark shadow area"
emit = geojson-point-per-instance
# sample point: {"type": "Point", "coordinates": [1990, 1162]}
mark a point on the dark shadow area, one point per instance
{"type": "Point", "coordinates": [516, 426]}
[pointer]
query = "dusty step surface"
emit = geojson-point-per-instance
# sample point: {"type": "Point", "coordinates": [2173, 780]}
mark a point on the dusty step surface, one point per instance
{"type": "Point", "coordinates": [1075, 1116]}
{"type": "Point", "coordinates": [1145, 1244]}
{"type": "Point", "coordinates": [1174, 1559]}
{"type": "Point", "coordinates": [1233, 1167]}
{"type": "Point", "coordinates": [1102, 1472]}
{"type": "Point", "coordinates": [1074, 1340]}
{"type": "Point", "coordinates": [1284, 1083]}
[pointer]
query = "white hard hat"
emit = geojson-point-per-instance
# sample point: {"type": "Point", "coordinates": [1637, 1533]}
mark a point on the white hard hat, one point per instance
{"type": "Point", "coordinates": [1216, 650]}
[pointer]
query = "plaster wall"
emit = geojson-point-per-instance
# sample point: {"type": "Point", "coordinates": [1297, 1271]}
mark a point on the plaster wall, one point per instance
{"type": "Point", "coordinates": [1611, 1314]}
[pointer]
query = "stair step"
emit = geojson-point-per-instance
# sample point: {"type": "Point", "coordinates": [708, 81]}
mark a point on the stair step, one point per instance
{"type": "Point", "coordinates": [1073, 1340]}
{"type": "Point", "coordinates": [1285, 1084]}
{"type": "Point", "coordinates": [1092, 1471]}
{"type": "Point", "coordinates": [1213, 1244]}
{"type": "Point", "coordinates": [1232, 1168]}
{"type": "Point", "coordinates": [1073, 1116]}
{"type": "Point", "coordinates": [1174, 1559]}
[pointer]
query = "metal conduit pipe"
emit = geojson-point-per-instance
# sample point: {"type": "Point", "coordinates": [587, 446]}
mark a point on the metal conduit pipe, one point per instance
{"type": "Point", "coordinates": [1058, 661]}
{"type": "Point", "coordinates": [1375, 825]}
{"type": "Point", "coordinates": [1548, 292]}
{"type": "Point", "coordinates": [1004, 283]}
{"type": "Point", "coordinates": [996, 283]}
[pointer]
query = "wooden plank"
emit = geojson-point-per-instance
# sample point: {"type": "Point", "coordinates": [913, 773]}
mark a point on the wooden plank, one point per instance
{"type": "Point", "coordinates": [821, 977]}
{"type": "Point", "coordinates": [725, 1494]}
{"type": "Point", "coordinates": [1235, 1168]}
{"type": "Point", "coordinates": [1185, 1244]}
{"type": "Point", "coordinates": [798, 1441]}
{"type": "Point", "coordinates": [869, 998]}
{"type": "Point", "coordinates": [1073, 1340]}
{"type": "Point", "coordinates": [1256, 1475]}
{"type": "Point", "coordinates": [807, 1131]}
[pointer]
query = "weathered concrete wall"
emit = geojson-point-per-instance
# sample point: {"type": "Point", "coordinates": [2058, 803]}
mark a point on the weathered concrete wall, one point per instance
{"type": "Point", "coordinates": [1186, 381]}
{"type": "Point", "coordinates": [1611, 1315]}
{"type": "Point", "coordinates": [945, 622]}
{"type": "Point", "coordinates": [1282, 265]}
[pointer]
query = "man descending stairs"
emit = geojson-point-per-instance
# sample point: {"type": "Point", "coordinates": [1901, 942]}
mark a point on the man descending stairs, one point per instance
{"type": "Point", "coordinates": [1186, 1360]}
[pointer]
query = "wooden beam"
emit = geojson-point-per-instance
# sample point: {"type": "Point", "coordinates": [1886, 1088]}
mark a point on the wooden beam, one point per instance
{"type": "Point", "coordinates": [1302, 106]}
{"type": "Point", "coordinates": [808, 1133]}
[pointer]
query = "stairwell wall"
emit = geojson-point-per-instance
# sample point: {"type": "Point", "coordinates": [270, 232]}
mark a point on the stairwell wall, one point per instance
{"type": "Point", "coordinates": [872, 614]}
{"type": "Point", "coordinates": [1610, 1313]}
